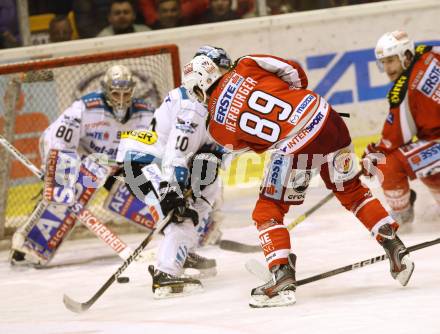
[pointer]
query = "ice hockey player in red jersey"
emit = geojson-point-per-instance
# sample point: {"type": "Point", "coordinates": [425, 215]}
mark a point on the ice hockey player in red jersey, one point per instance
{"type": "Point", "coordinates": [414, 103]}
{"type": "Point", "coordinates": [262, 104]}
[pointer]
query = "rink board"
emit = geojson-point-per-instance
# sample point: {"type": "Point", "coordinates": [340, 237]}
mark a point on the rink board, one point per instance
{"type": "Point", "coordinates": [335, 47]}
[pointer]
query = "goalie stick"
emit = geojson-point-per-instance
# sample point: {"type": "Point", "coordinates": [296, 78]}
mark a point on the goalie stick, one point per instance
{"type": "Point", "coordinates": [19, 156]}
{"type": "Point", "coordinates": [83, 215]}
{"type": "Point", "coordinates": [236, 246]}
{"type": "Point", "coordinates": [258, 269]}
{"type": "Point", "coordinates": [78, 307]}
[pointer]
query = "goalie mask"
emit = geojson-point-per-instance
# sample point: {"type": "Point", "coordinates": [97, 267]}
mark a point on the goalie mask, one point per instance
{"type": "Point", "coordinates": [198, 76]}
{"type": "Point", "coordinates": [218, 55]}
{"type": "Point", "coordinates": [119, 87]}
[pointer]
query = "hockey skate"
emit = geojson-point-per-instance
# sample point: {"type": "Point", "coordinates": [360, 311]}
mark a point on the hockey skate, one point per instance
{"type": "Point", "coordinates": [406, 216]}
{"type": "Point", "coordinates": [205, 267]}
{"type": "Point", "coordinates": [168, 286]}
{"type": "Point", "coordinates": [280, 291]}
{"type": "Point", "coordinates": [17, 258]}
{"type": "Point", "coordinates": [23, 256]}
{"type": "Point", "coordinates": [401, 266]}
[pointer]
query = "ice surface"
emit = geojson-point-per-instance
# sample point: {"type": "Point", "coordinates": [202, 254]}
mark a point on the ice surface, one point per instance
{"type": "Point", "coordinates": [367, 300]}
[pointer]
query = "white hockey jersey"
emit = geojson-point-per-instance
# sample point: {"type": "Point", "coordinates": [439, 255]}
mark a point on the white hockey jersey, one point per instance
{"type": "Point", "coordinates": [88, 126]}
{"type": "Point", "coordinates": [180, 127]}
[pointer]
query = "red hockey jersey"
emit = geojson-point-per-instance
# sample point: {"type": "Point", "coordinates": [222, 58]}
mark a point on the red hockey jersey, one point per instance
{"type": "Point", "coordinates": [262, 103]}
{"type": "Point", "coordinates": [414, 102]}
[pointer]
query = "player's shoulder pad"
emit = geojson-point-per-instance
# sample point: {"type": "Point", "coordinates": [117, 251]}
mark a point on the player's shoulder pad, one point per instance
{"type": "Point", "coordinates": [140, 106]}
{"type": "Point", "coordinates": [397, 93]}
{"type": "Point", "coordinates": [95, 100]}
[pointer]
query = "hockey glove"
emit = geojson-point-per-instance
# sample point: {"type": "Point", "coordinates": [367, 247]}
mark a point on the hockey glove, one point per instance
{"type": "Point", "coordinates": [171, 198]}
{"type": "Point", "coordinates": [371, 158]}
{"type": "Point", "coordinates": [188, 212]}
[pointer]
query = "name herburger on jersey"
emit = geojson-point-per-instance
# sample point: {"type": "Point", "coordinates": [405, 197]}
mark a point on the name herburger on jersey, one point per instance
{"type": "Point", "coordinates": [231, 100]}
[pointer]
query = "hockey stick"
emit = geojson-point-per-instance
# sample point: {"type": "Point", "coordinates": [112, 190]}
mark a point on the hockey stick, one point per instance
{"type": "Point", "coordinates": [236, 246]}
{"type": "Point", "coordinates": [19, 156]}
{"type": "Point", "coordinates": [82, 214]}
{"type": "Point", "coordinates": [306, 214]}
{"type": "Point", "coordinates": [78, 307]}
{"type": "Point", "coordinates": [245, 248]}
{"type": "Point", "coordinates": [258, 269]}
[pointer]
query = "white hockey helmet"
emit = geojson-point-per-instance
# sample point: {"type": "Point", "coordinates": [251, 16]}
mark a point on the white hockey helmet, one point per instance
{"type": "Point", "coordinates": [119, 87]}
{"type": "Point", "coordinates": [198, 76]}
{"type": "Point", "coordinates": [394, 43]}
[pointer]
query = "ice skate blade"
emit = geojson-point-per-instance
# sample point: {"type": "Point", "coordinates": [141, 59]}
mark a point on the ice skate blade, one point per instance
{"type": "Point", "coordinates": [404, 276]}
{"type": "Point", "coordinates": [177, 290]}
{"type": "Point", "coordinates": [284, 298]}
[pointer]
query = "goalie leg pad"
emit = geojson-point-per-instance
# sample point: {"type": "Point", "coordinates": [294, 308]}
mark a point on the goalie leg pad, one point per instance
{"type": "Point", "coordinates": [55, 222]}
{"type": "Point", "coordinates": [54, 225]}
{"type": "Point", "coordinates": [122, 202]}
{"type": "Point", "coordinates": [62, 170]}
{"type": "Point", "coordinates": [29, 243]}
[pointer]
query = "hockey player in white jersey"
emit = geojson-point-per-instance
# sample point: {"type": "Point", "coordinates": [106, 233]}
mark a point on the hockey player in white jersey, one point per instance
{"type": "Point", "coordinates": [189, 161]}
{"type": "Point", "coordinates": [92, 125]}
